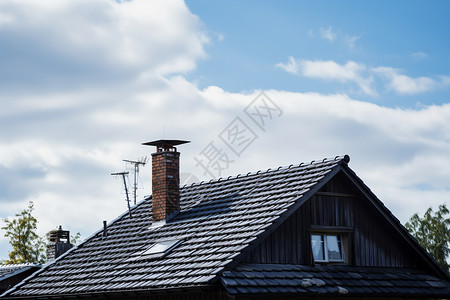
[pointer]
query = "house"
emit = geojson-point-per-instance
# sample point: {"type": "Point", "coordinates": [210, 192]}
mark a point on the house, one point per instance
{"type": "Point", "coordinates": [10, 275]}
{"type": "Point", "coordinates": [312, 230]}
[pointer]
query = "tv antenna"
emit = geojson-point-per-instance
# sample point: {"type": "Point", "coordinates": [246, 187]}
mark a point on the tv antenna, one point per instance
{"type": "Point", "coordinates": [136, 163]}
{"type": "Point", "coordinates": [126, 189]}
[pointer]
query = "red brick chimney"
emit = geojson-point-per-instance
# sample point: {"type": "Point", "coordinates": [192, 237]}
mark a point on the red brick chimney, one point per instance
{"type": "Point", "coordinates": [165, 179]}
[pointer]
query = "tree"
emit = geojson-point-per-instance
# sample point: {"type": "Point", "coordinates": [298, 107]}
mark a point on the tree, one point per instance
{"type": "Point", "coordinates": [433, 233]}
{"type": "Point", "coordinates": [28, 247]}
{"type": "Point", "coordinates": [75, 239]}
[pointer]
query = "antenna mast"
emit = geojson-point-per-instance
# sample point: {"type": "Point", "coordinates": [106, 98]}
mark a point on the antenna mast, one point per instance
{"type": "Point", "coordinates": [136, 164]}
{"type": "Point", "coordinates": [126, 189]}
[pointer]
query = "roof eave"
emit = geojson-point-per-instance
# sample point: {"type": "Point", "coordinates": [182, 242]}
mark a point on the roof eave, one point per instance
{"type": "Point", "coordinates": [121, 293]}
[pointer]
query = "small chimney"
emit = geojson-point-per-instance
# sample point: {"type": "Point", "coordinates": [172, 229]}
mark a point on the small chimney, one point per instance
{"type": "Point", "coordinates": [105, 229]}
{"type": "Point", "coordinates": [165, 179]}
{"type": "Point", "coordinates": [59, 242]}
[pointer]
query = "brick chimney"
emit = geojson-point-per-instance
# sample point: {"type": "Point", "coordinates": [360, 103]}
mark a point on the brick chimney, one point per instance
{"type": "Point", "coordinates": [165, 179]}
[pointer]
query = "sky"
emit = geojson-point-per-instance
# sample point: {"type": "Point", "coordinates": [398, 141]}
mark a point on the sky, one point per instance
{"type": "Point", "coordinates": [252, 84]}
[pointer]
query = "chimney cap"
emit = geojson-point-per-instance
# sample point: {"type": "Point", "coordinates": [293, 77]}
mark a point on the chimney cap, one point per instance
{"type": "Point", "coordinates": [165, 143]}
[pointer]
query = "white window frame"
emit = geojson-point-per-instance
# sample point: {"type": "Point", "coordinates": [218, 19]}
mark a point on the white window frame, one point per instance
{"type": "Point", "coordinates": [161, 247]}
{"type": "Point", "coordinates": [325, 247]}
{"type": "Point", "coordinates": [157, 250]}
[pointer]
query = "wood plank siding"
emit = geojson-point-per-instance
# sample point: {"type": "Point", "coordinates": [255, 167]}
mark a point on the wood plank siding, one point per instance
{"type": "Point", "coordinates": [339, 205]}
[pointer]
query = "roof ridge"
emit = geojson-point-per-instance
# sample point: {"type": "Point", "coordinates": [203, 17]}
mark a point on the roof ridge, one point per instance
{"type": "Point", "coordinates": [8, 266]}
{"type": "Point", "coordinates": [345, 158]}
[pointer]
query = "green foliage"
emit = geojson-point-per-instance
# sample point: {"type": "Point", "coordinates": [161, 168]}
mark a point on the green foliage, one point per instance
{"type": "Point", "coordinates": [28, 247]}
{"type": "Point", "coordinates": [75, 239]}
{"type": "Point", "coordinates": [433, 233]}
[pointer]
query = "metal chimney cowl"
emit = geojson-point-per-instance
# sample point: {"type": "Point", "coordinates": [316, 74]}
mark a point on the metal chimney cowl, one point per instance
{"type": "Point", "coordinates": [59, 243]}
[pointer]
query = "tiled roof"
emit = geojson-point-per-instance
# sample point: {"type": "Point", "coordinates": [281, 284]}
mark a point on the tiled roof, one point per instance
{"type": "Point", "coordinates": [218, 220]}
{"type": "Point", "coordinates": [11, 270]}
{"type": "Point", "coordinates": [10, 275]}
{"type": "Point", "coordinates": [337, 280]}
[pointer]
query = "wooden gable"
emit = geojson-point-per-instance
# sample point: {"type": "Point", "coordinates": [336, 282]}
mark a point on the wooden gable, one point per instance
{"type": "Point", "coordinates": [339, 207]}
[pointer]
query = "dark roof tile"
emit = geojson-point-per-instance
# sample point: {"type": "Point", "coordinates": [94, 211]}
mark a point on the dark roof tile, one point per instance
{"type": "Point", "coordinates": [334, 280]}
{"type": "Point", "coordinates": [217, 222]}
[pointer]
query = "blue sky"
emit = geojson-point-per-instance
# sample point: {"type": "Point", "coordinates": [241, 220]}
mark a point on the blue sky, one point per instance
{"type": "Point", "coordinates": [84, 82]}
{"type": "Point", "coordinates": [251, 37]}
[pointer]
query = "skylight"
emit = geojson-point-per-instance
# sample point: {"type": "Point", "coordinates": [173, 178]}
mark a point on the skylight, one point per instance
{"type": "Point", "coordinates": [160, 248]}
{"type": "Point", "coordinates": [156, 250]}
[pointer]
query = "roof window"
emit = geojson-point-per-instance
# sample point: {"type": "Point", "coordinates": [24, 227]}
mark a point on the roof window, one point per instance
{"type": "Point", "coordinates": [156, 250]}
{"type": "Point", "coordinates": [160, 248]}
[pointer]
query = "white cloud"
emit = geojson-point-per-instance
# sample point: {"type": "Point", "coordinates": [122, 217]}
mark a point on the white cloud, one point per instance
{"type": "Point", "coordinates": [403, 84]}
{"type": "Point", "coordinates": [395, 151]}
{"type": "Point", "coordinates": [332, 35]}
{"type": "Point", "coordinates": [220, 36]}
{"type": "Point", "coordinates": [444, 80]}
{"type": "Point", "coordinates": [330, 70]}
{"type": "Point", "coordinates": [364, 77]}
{"type": "Point", "coordinates": [327, 33]}
{"type": "Point", "coordinates": [419, 55]}
{"type": "Point", "coordinates": [5, 19]}
{"type": "Point", "coordinates": [292, 66]}
{"type": "Point", "coordinates": [83, 84]}
{"type": "Point", "coordinates": [90, 42]}
{"type": "Point", "coordinates": [352, 40]}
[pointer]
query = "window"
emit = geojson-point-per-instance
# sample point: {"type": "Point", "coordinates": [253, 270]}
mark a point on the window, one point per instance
{"type": "Point", "coordinates": [160, 248]}
{"type": "Point", "coordinates": [327, 248]}
{"type": "Point", "coordinates": [157, 250]}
